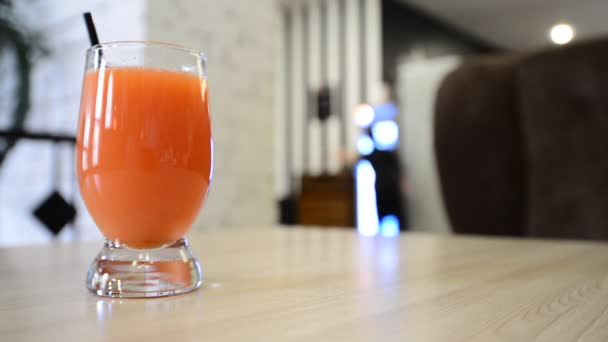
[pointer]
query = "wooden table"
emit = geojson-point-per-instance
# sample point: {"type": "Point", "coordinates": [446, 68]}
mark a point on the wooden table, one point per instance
{"type": "Point", "coordinates": [324, 285]}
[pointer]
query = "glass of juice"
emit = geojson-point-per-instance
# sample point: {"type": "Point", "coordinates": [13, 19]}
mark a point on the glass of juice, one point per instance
{"type": "Point", "coordinates": [144, 158]}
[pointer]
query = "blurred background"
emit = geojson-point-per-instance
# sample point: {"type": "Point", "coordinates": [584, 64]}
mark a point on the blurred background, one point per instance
{"type": "Point", "coordinates": [383, 116]}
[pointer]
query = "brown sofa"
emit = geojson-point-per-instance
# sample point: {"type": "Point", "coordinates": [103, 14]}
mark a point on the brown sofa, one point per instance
{"type": "Point", "coordinates": [522, 143]}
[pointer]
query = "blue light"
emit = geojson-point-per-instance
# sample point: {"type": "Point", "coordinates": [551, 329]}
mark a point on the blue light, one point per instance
{"type": "Point", "coordinates": [386, 135]}
{"type": "Point", "coordinates": [365, 145]}
{"type": "Point", "coordinates": [385, 111]}
{"type": "Point", "coordinates": [389, 226]}
{"type": "Point", "coordinates": [367, 212]}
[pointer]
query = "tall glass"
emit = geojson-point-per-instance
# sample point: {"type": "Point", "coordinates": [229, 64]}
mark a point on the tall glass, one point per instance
{"type": "Point", "coordinates": [144, 164]}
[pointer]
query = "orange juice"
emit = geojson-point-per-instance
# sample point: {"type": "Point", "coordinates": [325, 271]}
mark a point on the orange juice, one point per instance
{"type": "Point", "coordinates": [144, 152]}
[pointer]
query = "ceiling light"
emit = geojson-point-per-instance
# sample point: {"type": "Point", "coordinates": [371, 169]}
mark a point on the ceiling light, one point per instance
{"type": "Point", "coordinates": [561, 34]}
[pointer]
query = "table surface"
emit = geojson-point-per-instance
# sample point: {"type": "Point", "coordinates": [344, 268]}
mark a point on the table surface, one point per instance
{"type": "Point", "coordinates": [285, 284]}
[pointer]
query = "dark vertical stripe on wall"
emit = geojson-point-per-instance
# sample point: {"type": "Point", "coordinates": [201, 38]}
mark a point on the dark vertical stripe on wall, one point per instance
{"type": "Point", "coordinates": [362, 48]}
{"type": "Point", "coordinates": [305, 68]}
{"type": "Point", "coordinates": [342, 72]}
{"type": "Point", "coordinates": [324, 81]}
{"type": "Point", "coordinates": [287, 74]}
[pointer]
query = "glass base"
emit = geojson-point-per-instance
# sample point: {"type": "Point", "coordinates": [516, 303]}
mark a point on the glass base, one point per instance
{"type": "Point", "coordinates": [120, 271]}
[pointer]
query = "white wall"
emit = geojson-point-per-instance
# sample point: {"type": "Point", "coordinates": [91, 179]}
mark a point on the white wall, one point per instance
{"type": "Point", "coordinates": [241, 44]}
{"type": "Point", "coordinates": [350, 47]}
{"type": "Point", "coordinates": [418, 82]}
{"type": "Point", "coordinates": [26, 175]}
{"type": "Point", "coordinates": [240, 39]}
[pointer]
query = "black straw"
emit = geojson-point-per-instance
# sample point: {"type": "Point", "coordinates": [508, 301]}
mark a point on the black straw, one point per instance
{"type": "Point", "coordinates": [88, 20]}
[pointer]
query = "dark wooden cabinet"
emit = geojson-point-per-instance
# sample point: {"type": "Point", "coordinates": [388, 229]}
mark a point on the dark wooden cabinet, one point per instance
{"type": "Point", "coordinates": [327, 200]}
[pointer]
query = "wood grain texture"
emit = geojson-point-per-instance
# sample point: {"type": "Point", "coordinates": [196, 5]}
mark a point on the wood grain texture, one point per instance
{"type": "Point", "coordinates": [324, 285]}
